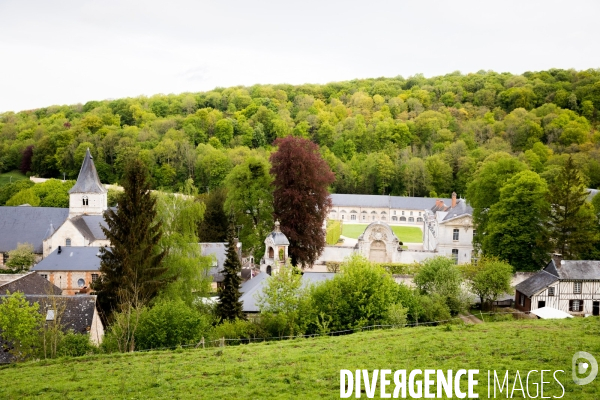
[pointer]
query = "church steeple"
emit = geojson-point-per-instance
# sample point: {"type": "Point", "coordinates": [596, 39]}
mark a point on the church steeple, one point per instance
{"type": "Point", "coordinates": [88, 195]}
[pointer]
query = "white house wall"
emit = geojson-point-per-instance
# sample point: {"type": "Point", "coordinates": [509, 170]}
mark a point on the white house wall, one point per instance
{"type": "Point", "coordinates": [563, 293]}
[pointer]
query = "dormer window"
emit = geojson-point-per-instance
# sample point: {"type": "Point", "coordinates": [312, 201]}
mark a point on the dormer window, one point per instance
{"type": "Point", "coordinates": [85, 201]}
{"type": "Point", "coordinates": [68, 242]}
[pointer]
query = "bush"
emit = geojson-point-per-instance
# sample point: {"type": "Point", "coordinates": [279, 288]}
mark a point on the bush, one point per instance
{"type": "Point", "coordinates": [441, 276]}
{"type": "Point", "coordinates": [334, 231]}
{"type": "Point", "coordinates": [359, 296]}
{"type": "Point", "coordinates": [171, 323]}
{"type": "Point", "coordinates": [75, 345]}
{"type": "Point", "coordinates": [238, 329]}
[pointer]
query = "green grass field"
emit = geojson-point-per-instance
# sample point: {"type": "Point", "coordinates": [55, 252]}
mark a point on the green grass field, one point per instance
{"type": "Point", "coordinates": [408, 234]}
{"type": "Point", "coordinates": [15, 175]}
{"type": "Point", "coordinates": [310, 368]}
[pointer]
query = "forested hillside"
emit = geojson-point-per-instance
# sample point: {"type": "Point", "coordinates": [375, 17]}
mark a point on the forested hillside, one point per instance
{"type": "Point", "coordinates": [415, 136]}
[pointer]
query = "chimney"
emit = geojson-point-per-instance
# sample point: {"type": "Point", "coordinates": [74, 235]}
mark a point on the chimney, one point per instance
{"type": "Point", "coordinates": [558, 258]}
{"type": "Point", "coordinates": [59, 250]}
{"type": "Point", "coordinates": [438, 203]}
{"type": "Point", "coordinates": [453, 199]}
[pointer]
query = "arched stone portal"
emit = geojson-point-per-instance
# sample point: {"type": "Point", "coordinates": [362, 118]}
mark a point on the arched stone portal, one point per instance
{"type": "Point", "coordinates": [377, 253]}
{"type": "Point", "coordinates": [378, 243]}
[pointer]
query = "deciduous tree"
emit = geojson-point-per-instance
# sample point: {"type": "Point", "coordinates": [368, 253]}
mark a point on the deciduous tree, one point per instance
{"type": "Point", "coordinates": [301, 200]}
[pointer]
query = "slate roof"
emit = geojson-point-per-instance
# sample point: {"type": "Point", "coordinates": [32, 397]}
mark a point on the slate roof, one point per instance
{"type": "Point", "coordinates": [90, 226]}
{"type": "Point", "coordinates": [29, 283]}
{"type": "Point", "coordinates": [535, 283]}
{"type": "Point", "coordinates": [28, 225]}
{"type": "Point", "coordinates": [252, 287]}
{"type": "Point", "coordinates": [88, 180]}
{"type": "Point", "coordinates": [78, 314]}
{"type": "Point", "coordinates": [577, 269]}
{"type": "Point", "coordinates": [461, 208]}
{"type": "Point", "coordinates": [277, 236]}
{"type": "Point", "coordinates": [71, 258]}
{"type": "Point", "coordinates": [380, 201]}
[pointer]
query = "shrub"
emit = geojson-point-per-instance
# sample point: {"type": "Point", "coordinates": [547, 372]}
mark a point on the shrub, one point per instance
{"type": "Point", "coordinates": [171, 323]}
{"type": "Point", "coordinates": [238, 329]}
{"type": "Point", "coordinates": [75, 345]}
{"type": "Point", "coordinates": [441, 276]}
{"type": "Point", "coordinates": [334, 231]}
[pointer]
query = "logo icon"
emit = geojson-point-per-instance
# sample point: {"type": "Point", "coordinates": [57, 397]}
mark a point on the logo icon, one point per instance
{"type": "Point", "coordinates": [580, 367]}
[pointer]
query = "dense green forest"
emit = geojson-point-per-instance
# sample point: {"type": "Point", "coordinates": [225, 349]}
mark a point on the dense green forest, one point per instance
{"type": "Point", "coordinates": [416, 136]}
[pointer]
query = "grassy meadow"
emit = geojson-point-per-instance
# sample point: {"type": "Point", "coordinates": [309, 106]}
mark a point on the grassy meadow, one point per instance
{"type": "Point", "coordinates": [310, 368]}
{"type": "Point", "coordinates": [11, 176]}
{"type": "Point", "coordinates": [406, 234]}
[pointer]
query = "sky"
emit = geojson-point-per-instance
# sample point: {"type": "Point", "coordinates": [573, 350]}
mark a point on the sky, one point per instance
{"type": "Point", "coordinates": [68, 52]}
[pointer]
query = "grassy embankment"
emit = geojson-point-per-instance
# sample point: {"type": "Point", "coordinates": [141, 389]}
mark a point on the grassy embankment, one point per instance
{"type": "Point", "coordinates": [310, 368]}
{"type": "Point", "coordinates": [406, 234]}
{"type": "Point", "coordinates": [11, 176]}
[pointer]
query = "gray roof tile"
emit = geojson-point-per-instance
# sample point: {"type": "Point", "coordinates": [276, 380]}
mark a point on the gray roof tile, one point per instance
{"type": "Point", "coordinates": [28, 225]}
{"type": "Point", "coordinates": [90, 226]}
{"type": "Point", "coordinates": [70, 259]}
{"type": "Point", "coordinates": [535, 283]}
{"type": "Point", "coordinates": [579, 270]}
{"type": "Point", "coordinates": [381, 201]}
{"type": "Point", "coordinates": [88, 180]}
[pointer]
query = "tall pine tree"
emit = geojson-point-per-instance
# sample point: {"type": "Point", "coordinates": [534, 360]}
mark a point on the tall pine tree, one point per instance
{"type": "Point", "coordinates": [132, 271]}
{"type": "Point", "coordinates": [572, 222]}
{"type": "Point", "coordinates": [230, 306]}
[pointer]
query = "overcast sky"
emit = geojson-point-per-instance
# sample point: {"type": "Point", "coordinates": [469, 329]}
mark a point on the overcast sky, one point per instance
{"type": "Point", "coordinates": [67, 52]}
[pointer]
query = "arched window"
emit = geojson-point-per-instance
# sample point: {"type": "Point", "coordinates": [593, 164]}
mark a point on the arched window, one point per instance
{"type": "Point", "coordinates": [80, 283]}
{"type": "Point", "coordinates": [68, 242]}
{"type": "Point", "coordinates": [271, 253]}
{"type": "Point", "coordinates": [383, 212]}
{"type": "Point", "coordinates": [394, 218]}
{"type": "Point", "coordinates": [402, 219]}
{"type": "Point", "coordinates": [411, 219]}
{"type": "Point", "coordinates": [353, 215]}
{"type": "Point", "coordinates": [268, 270]}
{"type": "Point", "coordinates": [419, 219]}
{"type": "Point", "coordinates": [85, 201]}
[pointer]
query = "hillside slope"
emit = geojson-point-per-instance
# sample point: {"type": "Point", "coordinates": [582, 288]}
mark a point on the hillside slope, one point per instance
{"type": "Point", "coordinates": [310, 368]}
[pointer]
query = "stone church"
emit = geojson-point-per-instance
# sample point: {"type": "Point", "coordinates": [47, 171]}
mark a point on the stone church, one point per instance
{"type": "Point", "coordinates": [62, 232]}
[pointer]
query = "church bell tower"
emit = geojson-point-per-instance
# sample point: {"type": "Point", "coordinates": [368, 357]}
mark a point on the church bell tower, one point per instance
{"type": "Point", "coordinates": [88, 196]}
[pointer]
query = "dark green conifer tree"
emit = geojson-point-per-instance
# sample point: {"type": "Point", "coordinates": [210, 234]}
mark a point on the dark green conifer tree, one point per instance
{"type": "Point", "coordinates": [213, 227]}
{"type": "Point", "coordinates": [572, 223]}
{"type": "Point", "coordinates": [132, 271]}
{"type": "Point", "coordinates": [230, 306]}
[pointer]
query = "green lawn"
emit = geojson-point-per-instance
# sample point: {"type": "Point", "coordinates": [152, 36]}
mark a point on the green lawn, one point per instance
{"type": "Point", "coordinates": [7, 177]}
{"type": "Point", "coordinates": [407, 234]}
{"type": "Point", "coordinates": [310, 368]}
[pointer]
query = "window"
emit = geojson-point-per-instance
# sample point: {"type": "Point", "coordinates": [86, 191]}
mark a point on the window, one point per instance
{"type": "Point", "coordinates": [95, 277]}
{"type": "Point", "coordinates": [80, 283]}
{"type": "Point", "coordinates": [50, 315]}
{"type": "Point", "coordinates": [455, 234]}
{"type": "Point", "coordinates": [394, 212]}
{"type": "Point", "coordinates": [85, 200]}
{"type": "Point", "coordinates": [522, 300]}
{"type": "Point", "coordinates": [577, 287]}
{"type": "Point", "coordinates": [394, 218]}
{"type": "Point", "coordinates": [474, 232]}
{"type": "Point", "coordinates": [419, 213]}
{"type": "Point", "coordinates": [353, 217]}
{"type": "Point", "coordinates": [419, 219]}
{"type": "Point", "coordinates": [575, 305]}
{"type": "Point", "coordinates": [402, 212]}
{"type": "Point", "coordinates": [403, 219]}
{"type": "Point", "coordinates": [455, 255]}
{"type": "Point", "coordinates": [45, 276]}
{"type": "Point", "coordinates": [364, 217]}
{"type": "Point", "coordinates": [411, 219]}
{"type": "Point", "coordinates": [343, 216]}
{"type": "Point", "coordinates": [4, 258]}
{"type": "Point", "coordinates": [68, 242]}
{"type": "Point", "coordinates": [373, 218]}
{"type": "Point", "coordinates": [411, 213]}
{"type": "Point", "coordinates": [550, 291]}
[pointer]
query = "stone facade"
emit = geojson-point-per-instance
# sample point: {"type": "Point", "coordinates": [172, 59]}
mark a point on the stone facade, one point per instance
{"type": "Point", "coordinates": [378, 243]}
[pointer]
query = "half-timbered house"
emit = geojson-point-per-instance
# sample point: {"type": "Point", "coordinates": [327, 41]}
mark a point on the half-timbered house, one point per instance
{"type": "Point", "coordinates": [568, 285]}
